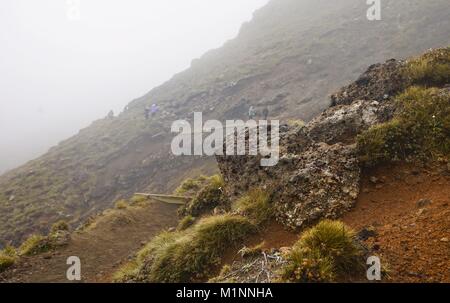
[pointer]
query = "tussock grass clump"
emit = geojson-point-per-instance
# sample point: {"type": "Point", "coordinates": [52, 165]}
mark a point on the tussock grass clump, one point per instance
{"type": "Point", "coordinates": [324, 253]}
{"type": "Point", "coordinates": [186, 256]}
{"type": "Point", "coordinates": [431, 69]}
{"type": "Point", "coordinates": [190, 185]}
{"type": "Point", "coordinates": [9, 251]}
{"type": "Point", "coordinates": [59, 226]}
{"type": "Point", "coordinates": [420, 129]}
{"type": "Point", "coordinates": [256, 205]}
{"type": "Point", "coordinates": [121, 204]}
{"type": "Point", "coordinates": [6, 262]}
{"type": "Point", "coordinates": [8, 257]}
{"type": "Point", "coordinates": [34, 245]}
{"type": "Point", "coordinates": [185, 223]}
{"type": "Point", "coordinates": [208, 197]}
{"type": "Point", "coordinates": [139, 201]}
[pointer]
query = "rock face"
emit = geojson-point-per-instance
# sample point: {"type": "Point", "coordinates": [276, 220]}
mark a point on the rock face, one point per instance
{"type": "Point", "coordinates": [324, 182]}
{"type": "Point", "coordinates": [318, 173]}
{"type": "Point", "coordinates": [342, 123]}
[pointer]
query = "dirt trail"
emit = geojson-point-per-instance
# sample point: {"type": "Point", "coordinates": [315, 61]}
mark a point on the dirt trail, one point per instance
{"type": "Point", "coordinates": [102, 247]}
{"type": "Point", "coordinates": [412, 237]}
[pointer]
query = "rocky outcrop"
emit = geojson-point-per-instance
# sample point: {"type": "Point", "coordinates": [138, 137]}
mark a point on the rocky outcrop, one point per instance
{"type": "Point", "coordinates": [342, 123]}
{"type": "Point", "coordinates": [380, 82]}
{"type": "Point", "coordinates": [318, 173]}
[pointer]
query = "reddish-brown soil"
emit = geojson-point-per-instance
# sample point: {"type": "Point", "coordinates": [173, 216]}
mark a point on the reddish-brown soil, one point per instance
{"type": "Point", "coordinates": [412, 239]}
{"type": "Point", "coordinates": [102, 247]}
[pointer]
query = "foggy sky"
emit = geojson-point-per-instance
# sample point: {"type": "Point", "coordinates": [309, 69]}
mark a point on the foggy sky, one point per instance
{"type": "Point", "coordinates": [58, 74]}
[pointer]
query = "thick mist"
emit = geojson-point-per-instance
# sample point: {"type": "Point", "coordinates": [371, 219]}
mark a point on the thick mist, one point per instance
{"type": "Point", "coordinates": [66, 63]}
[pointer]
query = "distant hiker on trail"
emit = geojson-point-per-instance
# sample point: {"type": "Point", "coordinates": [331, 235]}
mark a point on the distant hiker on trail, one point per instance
{"type": "Point", "coordinates": [147, 112]}
{"type": "Point", "coordinates": [110, 114]}
{"type": "Point", "coordinates": [265, 112]}
{"type": "Point", "coordinates": [251, 112]}
{"type": "Point", "coordinates": [154, 109]}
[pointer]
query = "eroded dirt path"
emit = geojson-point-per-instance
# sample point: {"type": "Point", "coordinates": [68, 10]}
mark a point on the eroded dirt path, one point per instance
{"type": "Point", "coordinates": [102, 247]}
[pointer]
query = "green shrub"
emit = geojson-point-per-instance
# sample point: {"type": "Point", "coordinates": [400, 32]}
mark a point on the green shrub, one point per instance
{"type": "Point", "coordinates": [308, 268]}
{"type": "Point", "coordinates": [430, 69]}
{"type": "Point", "coordinates": [186, 222]}
{"type": "Point", "coordinates": [420, 129]}
{"type": "Point", "coordinates": [127, 271]}
{"type": "Point", "coordinates": [9, 251]}
{"type": "Point", "coordinates": [186, 256]}
{"type": "Point", "coordinates": [255, 205]}
{"type": "Point", "coordinates": [384, 142]}
{"type": "Point", "coordinates": [325, 252]}
{"type": "Point", "coordinates": [209, 197]}
{"type": "Point", "coordinates": [59, 226]}
{"type": "Point", "coordinates": [6, 262]}
{"type": "Point", "coordinates": [34, 245]}
{"type": "Point", "coordinates": [189, 185]}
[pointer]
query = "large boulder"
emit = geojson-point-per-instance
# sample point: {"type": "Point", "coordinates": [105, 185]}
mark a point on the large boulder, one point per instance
{"type": "Point", "coordinates": [323, 184]}
{"type": "Point", "coordinates": [318, 172]}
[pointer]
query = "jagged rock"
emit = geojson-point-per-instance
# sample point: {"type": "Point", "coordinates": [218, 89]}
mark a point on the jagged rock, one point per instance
{"type": "Point", "coordinates": [324, 184]}
{"type": "Point", "coordinates": [379, 82]}
{"type": "Point", "coordinates": [342, 123]}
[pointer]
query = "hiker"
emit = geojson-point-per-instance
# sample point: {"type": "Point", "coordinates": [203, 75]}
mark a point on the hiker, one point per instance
{"type": "Point", "coordinates": [154, 109]}
{"type": "Point", "coordinates": [265, 112]}
{"type": "Point", "coordinates": [110, 114]}
{"type": "Point", "coordinates": [147, 112]}
{"type": "Point", "coordinates": [251, 112]}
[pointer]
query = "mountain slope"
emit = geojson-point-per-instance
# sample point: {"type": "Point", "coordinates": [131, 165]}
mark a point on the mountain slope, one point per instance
{"type": "Point", "coordinates": [397, 204]}
{"type": "Point", "coordinates": [290, 57]}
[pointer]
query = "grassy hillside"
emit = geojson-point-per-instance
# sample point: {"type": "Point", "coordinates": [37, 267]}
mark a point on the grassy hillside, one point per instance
{"type": "Point", "coordinates": [289, 57]}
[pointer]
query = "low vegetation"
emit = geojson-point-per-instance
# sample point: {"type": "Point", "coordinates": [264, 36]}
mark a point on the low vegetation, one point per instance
{"type": "Point", "coordinates": [324, 253]}
{"type": "Point", "coordinates": [430, 69]}
{"type": "Point", "coordinates": [34, 245]}
{"type": "Point", "coordinates": [185, 223]}
{"type": "Point", "coordinates": [6, 262]}
{"type": "Point", "coordinates": [207, 198]}
{"type": "Point", "coordinates": [191, 185]}
{"type": "Point", "coordinates": [255, 205]}
{"type": "Point", "coordinates": [8, 257]}
{"type": "Point", "coordinates": [139, 201]}
{"type": "Point", "coordinates": [121, 204]}
{"type": "Point", "coordinates": [252, 251]}
{"type": "Point", "coordinates": [420, 129]}
{"type": "Point", "coordinates": [189, 255]}
{"type": "Point", "coordinates": [61, 225]}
